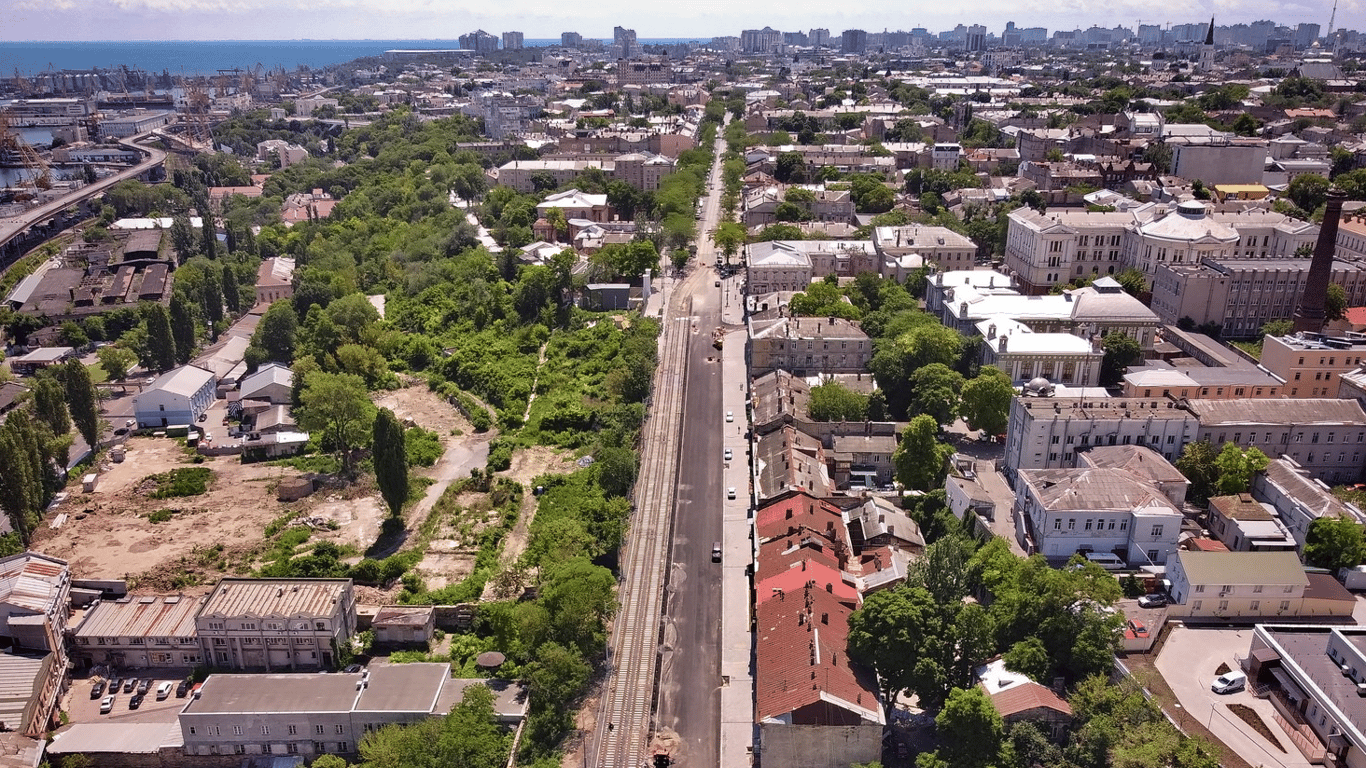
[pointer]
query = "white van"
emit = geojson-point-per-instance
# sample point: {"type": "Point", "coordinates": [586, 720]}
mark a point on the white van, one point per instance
{"type": "Point", "coordinates": [1229, 682]}
{"type": "Point", "coordinates": [1106, 560]}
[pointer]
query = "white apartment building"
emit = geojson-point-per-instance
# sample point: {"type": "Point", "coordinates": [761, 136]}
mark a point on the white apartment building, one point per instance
{"type": "Point", "coordinates": [941, 246]}
{"type": "Point", "coordinates": [1044, 249]}
{"type": "Point", "coordinates": [1094, 509]}
{"type": "Point", "coordinates": [1047, 432]}
{"type": "Point", "coordinates": [1095, 310]}
{"type": "Point", "coordinates": [1024, 355]}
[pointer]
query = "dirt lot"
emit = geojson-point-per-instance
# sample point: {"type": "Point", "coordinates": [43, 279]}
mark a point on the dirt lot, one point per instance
{"type": "Point", "coordinates": [107, 534]}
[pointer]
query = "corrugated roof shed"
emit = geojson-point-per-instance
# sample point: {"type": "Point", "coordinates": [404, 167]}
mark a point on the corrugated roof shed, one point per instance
{"type": "Point", "coordinates": [311, 598]}
{"type": "Point", "coordinates": [142, 616]}
{"type": "Point", "coordinates": [32, 581]}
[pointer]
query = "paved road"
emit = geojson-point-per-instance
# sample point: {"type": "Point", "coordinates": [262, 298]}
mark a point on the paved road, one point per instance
{"type": "Point", "coordinates": [687, 719]}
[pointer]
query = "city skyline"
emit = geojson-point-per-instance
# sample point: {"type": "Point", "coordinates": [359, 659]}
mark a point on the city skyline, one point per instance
{"type": "Point", "coordinates": [109, 20]}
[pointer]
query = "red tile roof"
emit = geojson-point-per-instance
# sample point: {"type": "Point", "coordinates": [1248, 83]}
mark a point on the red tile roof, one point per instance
{"type": "Point", "coordinates": [787, 513]}
{"type": "Point", "coordinates": [802, 668]}
{"type": "Point", "coordinates": [782, 553]}
{"type": "Point", "coordinates": [1205, 545]}
{"type": "Point", "coordinates": [1027, 696]}
{"type": "Point", "coordinates": [770, 584]}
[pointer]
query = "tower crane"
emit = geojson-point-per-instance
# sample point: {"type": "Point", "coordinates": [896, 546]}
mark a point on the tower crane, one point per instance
{"type": "Point", "coordinates": [12, 144]}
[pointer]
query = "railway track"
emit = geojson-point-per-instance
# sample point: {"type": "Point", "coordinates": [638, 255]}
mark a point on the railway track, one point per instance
{"type": "Point", "coordinates": [625, 723]}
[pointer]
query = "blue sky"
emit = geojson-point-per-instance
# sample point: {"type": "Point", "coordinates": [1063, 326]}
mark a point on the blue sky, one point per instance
{"type": "Point", "coordinates": [443, 19]}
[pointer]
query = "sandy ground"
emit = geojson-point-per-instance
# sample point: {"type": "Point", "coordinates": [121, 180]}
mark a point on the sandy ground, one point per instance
{"type": "Point", "coordinates": [106, 534]}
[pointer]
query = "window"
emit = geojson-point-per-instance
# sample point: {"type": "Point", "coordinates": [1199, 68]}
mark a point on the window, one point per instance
{"type": "Point", "coordinates": [292, 748]}
{"type": "Point", "coordinates": [1195, 606]}
{"type": "Point", "coordinates": [1088, 524]}
{"type": "Point", "coordinates": [265, 730]}
{"type": "Point", "coordinates": [1057, 524]}
{"type": "Point", "coordinates": [1124, 525]}
{"type": "Point", "coordinates": [248, 625]}
{"type": "Point", "coordinates": [1288, 589]}
{"type": "Point", "coordinates": [215, 625]}
{"type": "Point", "coordinates": [1157, 530]}
{"type": "Point", "coordinates": [1255, 604]}
{"type": "Point", "coordinates": [192, 731]}
{"type": "Point", "coordinates": [319, 747]}
{"type": "Point", "coordinates": [237, 730]}
{"type": "Point", "coordinates": [319, 729]}
{"type": "Point", "coordinates": [341, 728]}
{"type": "Point", "coordinates": [1285, 605]}
{"type": "Point", "coordinates": [1223, 605]}
{"type": "Point", "coordinates": [343, 747]}
{"type": "Point", "coordinates": [320, 625]}
{"type": "Point", "coordinates": [239, 749]}
{"type": "Point", "coordinates": [1257, 589]}
{"type": "Point", "coordinates": [1199, 587]}
{"type": "Point", "coordinates": [1072, 524]}
{"type": "Point", "coordinates": [293, 730]}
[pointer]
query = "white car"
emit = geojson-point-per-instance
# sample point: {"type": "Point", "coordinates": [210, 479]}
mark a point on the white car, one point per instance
{"type": "Point", "coordinates": [729, 417]}
{"type": "Point", "coordinates": [106, 704]}
{"type": "Point", "coordinates": [730, 492]}
{"type": "Point", "coordinates": [728, 454]}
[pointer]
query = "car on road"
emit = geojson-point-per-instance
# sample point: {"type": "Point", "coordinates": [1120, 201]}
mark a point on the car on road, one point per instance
{"type": "Point", "coordinates": [135, 702]}
{"type": "Point", "coordinates": [1152, 601]}
{"type": "Point", "coordinates": [106, 705]}
{"type": "Point", "coordinates": [121, 431]}
{"type": "Point", "coordinates": [730, 417]}
{"type": "Point", "coordinates": [728, 454]}
{"type": "Point", "coordinates": [716, 552]}
{"type": "Point", "coordinates": [163, 690]}
{"type": "Point", "coordinates": [730, 492]}
{"type": "Point", "coordinates": [97, 690]}
{"type": "Point", "coordinates": [718, 283]}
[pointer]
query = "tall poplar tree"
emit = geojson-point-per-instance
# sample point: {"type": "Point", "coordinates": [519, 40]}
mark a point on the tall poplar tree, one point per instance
{"type": "Point", "coordinates": [391, 460]}
{"type": "Point", "coordinates": [160, 341]}
{"type": "Point", "coordinates": [83, 400]}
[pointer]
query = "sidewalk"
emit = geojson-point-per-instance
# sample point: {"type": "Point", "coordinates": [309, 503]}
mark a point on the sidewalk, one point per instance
{"type": "Point", "coordinates": [737, 685]}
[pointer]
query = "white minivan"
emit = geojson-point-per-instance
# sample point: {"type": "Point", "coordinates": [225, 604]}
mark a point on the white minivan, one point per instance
{"type": "Point", "coordinates": [1229, 682]}
{"type": "Point", "coordinates": [1107, 560]}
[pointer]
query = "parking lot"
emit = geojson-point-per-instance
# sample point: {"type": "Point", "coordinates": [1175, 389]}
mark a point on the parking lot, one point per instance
{"type": "Point", "coordinates": [83, 709]}
{"type": "Point", "coordinates": [1188, 662]}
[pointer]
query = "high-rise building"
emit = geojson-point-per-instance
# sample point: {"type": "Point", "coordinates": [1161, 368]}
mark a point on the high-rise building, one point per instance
{"type": "Point", "coordinates": [479, 41]}
{"type": "Point", "coordinates": [571, 39]}
{"type": "Point", "coordinates": [854, 41]}
{"type": "Point", "coordinates": [975, 39]}
{"type": "Point", "coordinates": [626, 38]}
{"type": "Point", "coordinates": [795, 38]}
{"type": "Point", "coordinates": [1305, 35]}
{"type": "Point", "coordinates": [512, 41]}
{"type": "Point", "coordinates": [766, 40]}
{"type": "Point", "coordinates": [819, 38]}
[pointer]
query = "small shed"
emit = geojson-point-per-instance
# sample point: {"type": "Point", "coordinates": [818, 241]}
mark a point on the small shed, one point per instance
{"type": "Point", "coordinates": [404, 625]}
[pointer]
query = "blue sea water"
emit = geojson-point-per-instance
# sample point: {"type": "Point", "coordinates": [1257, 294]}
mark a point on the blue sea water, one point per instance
{"type": "Point", "coordinates": [206, 57]}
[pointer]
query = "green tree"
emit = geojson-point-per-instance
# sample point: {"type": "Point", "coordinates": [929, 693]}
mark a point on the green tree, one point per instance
{"type": "Point", "coordinates": [231, 297]}
{"type": "Point", "coordinates": [213, 295]}
{"type": "Point", "coordinates": [116, 360]}
{"type": "Point", "coordinates": [1197, 463]}
{"type": "Point", "coordinates": [49, 404]}
{"type": "Point", "coordinates": [1335, 302]}
{"type": "Point", "coordinates": [729, 236]}
{"type": "Point", "coordinates": [1334, 542]}
{"type": "Point", "coordinates": [616, 470]}
{"type": "Point", "coordinates": [832, 401]}
{"type": "Point", "coordinates": [161, 347]}
{"type": "Point", "coordinates": [1121, 351]}
{"type": "Point", "coordinates": [182, 328]}
{"type": "Point", "coordinates": [1235, 466]}
{"type": "Point", "coordinates": [1308, 191]}
{"type": "Point", "coordinates": [935, 392]}
{"type": "Point", "coordinates": [986, 401]}
{"type": "Point", "coordinates": [970, 729]}
{"type": "Point", "coordinates": [277, 333]}
{"type": "Point", "coordinates": [337, 406]}
{"type": "Point", "coordinates": [390, 457]}
{"type": "Point", "coordinates": [1028, 657]}
{"type": "Point", "coordinates": [1281, 327]}
{"type": "Point", "coordinates": [921, 461]}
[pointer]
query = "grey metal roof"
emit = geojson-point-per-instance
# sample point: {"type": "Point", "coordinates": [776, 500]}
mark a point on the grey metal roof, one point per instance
{"type": "Point", "coordinates": [311, 598]}
{"type": "Point", "coordinates": [403, 688]}
{"type": "Point", "coordinates": [1307, 411]}
{"type": "Point", "coordinates": [309, 692]}
{"type": "Point", "coordinates": [142, 616]}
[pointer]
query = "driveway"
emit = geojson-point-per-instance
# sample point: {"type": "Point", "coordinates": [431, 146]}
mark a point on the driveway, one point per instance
{"type": "Point", "coordinates": [1188, 662]}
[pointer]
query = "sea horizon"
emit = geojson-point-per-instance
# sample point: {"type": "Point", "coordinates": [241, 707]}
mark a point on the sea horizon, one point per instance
{"type": "Point", "coordinates": [206, 57]}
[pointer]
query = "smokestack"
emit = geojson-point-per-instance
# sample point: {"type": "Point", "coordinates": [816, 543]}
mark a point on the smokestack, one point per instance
{"type": "Point", "coordinates": [1309, 314]}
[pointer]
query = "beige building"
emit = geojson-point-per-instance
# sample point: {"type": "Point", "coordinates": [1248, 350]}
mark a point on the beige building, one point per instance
{"type": "Point", "coordinates": [1047, 432]}
{"type": "Point", "coordinates": [808, 345]}
{"type": "Point", "coordinates": [140, 631]}
{"type": "Point", "coordinates": [276, 624]}
{"type": "Point", "coordinates": [1324, 436]}
{"type": "Point", "coordinates": [274, 280]}
{"type": "Point", "coordinates": [1248, 586]}
{"type": "Point", "coordinates": [941, 246]}
{"type": "Point", "coordinates": [1313, 364]}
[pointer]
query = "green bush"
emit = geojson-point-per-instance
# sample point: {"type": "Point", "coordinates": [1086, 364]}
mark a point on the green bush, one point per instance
{"type": "Point", "coordinates": [183, 481]}
{"type": "Point", "coordinates": [423, 446]}
{"type": "Point", "coordinates": [161, 515]}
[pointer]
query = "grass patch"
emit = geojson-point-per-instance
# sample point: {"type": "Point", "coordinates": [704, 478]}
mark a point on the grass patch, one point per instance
{"type": "Point", "coordinates": [319, 463]}
{"type": "Point", "coordinates": [183, 481]}
{"type": "Point", "coordinates": [97, 374]}
{"type": "Point", "coordinates": [1249, 715]}
{"type": "Point", "coordinates": [1253, 348]}
{"type": "Point", "coordinates": [161, 515]}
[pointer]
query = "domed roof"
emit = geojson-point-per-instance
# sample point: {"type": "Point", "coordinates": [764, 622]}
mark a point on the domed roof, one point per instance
{"type": "Point", "coordinates": [1190, 225]}
{"type": "Point", "coordinates": [1037, 382]}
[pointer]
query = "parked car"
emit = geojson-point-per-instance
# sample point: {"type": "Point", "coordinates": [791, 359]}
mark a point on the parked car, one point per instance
{"type": "Point", "coordinates": [115, 683]}
{"type": "Point", "coordinates": [730, 416]}
{"type": "Point", "coordinates": [728, 454]}
{"type": "Point", "coordinates": [1229, 682]}
{"type": "Point", "coordinates": [1138, 628]}
{"type": "Point", "coordinates": [130, 684]}
{"type": "Point", "coordinates": [106, 705]}
{"type": "Point", "coordinates": [730, 492]}
{"type": "Point", "coordinates": [163, 690]}
{"type": "Point", "coordinates": [354, 668]}
{"type": "Point", "coordinates": [716, 552]}
{"type": "Point", "coordinates": [97, 690]}
{"type": "Point", "coordinates": [144, 685]}
{"type": "Point", "coordinates": [182, 690]}
{"type": "Point", "coordinates": [1152, 601]}
{"type": "Point", "coordinates": [135, 701]}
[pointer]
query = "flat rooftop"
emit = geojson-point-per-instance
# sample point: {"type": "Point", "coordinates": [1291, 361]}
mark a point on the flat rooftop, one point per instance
{"type": "Point", "coordinates": [248, 694]}
{"type": "Point", "coordinates": [403, 688]}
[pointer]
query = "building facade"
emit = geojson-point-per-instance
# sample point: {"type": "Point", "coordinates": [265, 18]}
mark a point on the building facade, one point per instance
{"type": "Point", "coordinates": [276, 624]}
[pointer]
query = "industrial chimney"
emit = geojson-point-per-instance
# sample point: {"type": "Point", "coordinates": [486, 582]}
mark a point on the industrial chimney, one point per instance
{"type": "Point", "coordinates": [1309, 313]}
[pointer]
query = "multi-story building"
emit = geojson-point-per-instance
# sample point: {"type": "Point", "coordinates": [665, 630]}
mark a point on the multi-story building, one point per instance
{"type": "Point", "coordinates": [1299, 498]}
{"type": "Point", "coordinates": [1241, 295]}
{"type": "Point", "coordinates": [854, 41]}
{"type": "Point", "coordinates": [512, 41]}
{"type": "Point", "coordinates": [1046, 433]}
{"type": "Point", "coordinates": [818, 38]}
{"type": "Point", "coordinates": [1244, 524]}
{"type": "Point", "coordinates": [276, 624]}
{"type": "Point", "coordinates": [1024, 355]}
{"type": "Point", "coordinates": [140, 631]}
{"type": "Point", "coordinates": [1312, 364]}
{"type": "Point", "coordinates": [1044, 249]}
{"type": "Point", "coordinates": [302, 714]}
{"type": "Point", "coordinates": [1206, 370]}
{"type": "Point", "coordinates": [35, 603]}
{"type": "Point", "coordinates": [571, 40]}
{"type": "Point", "coordinates": [1226, 585]}
{"type": "Point", "coordinates": [1326, 437]}
{"type": "Point", "coordinates": [479, 41]}
{"type": "Point", "coordinates": [1218, 158]}
{"type": "Point", "coordinates": [941, 246]}
{"type": "Point", "coordinates": [766, 40]}
{"type": "Point", "coordinates": [1095, 310]}
{"type": "Point", "coordinates": [625, 39]}
{"type": "Point", "coordinates": [1061, 512]}
{"type": "Point", "coordinates": [637, 169]}
{"type": "Point", "coordinates": [808, 346]}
